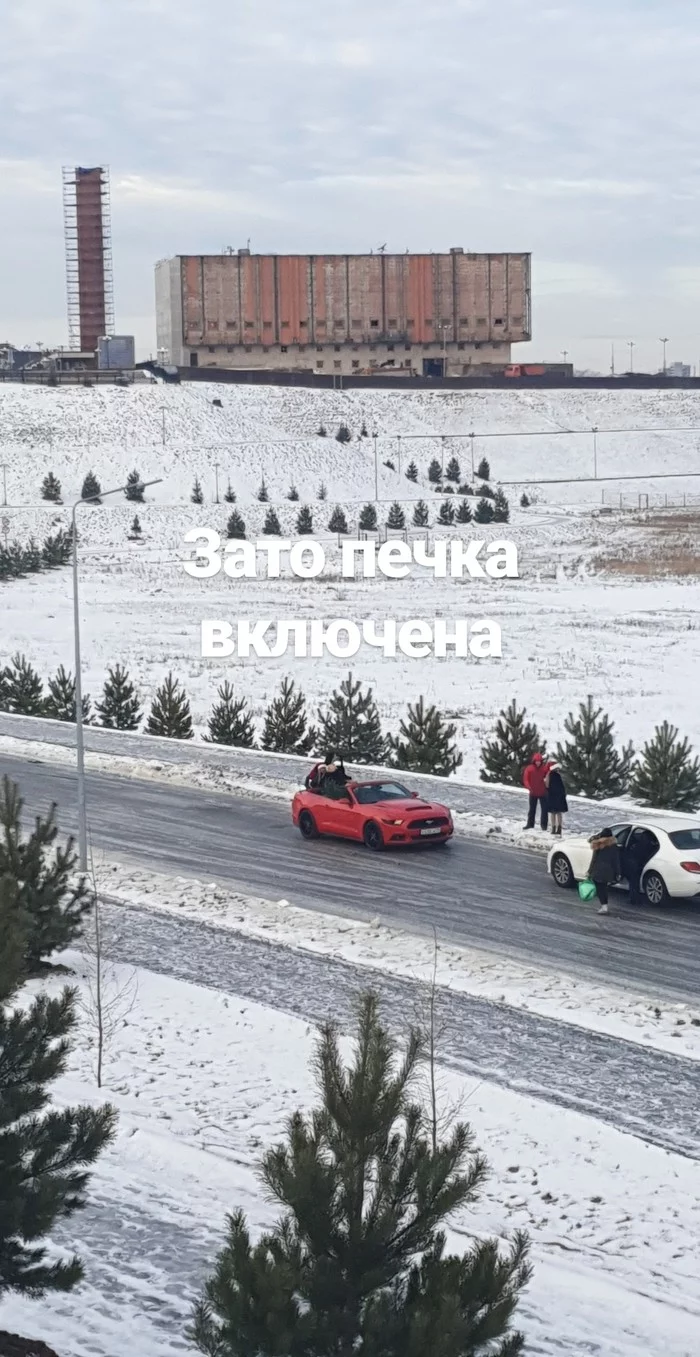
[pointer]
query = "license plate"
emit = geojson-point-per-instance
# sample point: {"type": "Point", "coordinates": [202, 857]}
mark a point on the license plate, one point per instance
{"type": "Point", "coordinates": [437, 830]}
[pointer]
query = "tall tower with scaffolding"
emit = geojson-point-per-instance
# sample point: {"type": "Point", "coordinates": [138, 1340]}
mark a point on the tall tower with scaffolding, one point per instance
{"type": "Point", "coordinates": [88, 234]}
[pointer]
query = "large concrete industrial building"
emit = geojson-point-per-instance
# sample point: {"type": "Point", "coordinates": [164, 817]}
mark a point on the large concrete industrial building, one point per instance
{"type": "Point", "coordinates": [434, 314]}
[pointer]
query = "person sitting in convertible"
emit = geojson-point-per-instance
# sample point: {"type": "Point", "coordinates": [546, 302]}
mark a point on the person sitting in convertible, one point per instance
{"type": "Point", "coordinates": [328, 778]}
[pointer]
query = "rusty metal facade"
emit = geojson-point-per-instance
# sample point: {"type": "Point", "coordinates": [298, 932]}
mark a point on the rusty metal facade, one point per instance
{"type": "Point", "coordinates": [358, 300]}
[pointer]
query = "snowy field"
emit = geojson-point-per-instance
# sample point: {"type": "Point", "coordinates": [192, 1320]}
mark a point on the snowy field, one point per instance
{"type": "Point", "coordinates": [203, 1084]}
{"type": "Point", "coordinates": [605, 604]}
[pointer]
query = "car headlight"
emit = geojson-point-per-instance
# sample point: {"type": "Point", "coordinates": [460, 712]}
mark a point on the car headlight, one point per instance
{"type": "Point", "coordinates": [392, 822]}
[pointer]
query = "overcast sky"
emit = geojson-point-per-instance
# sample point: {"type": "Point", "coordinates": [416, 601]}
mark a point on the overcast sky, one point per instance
{"type": "Point", "coordinates": [569, 130]}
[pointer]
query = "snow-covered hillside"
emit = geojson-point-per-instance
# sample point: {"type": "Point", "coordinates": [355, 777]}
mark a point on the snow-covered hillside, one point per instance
{"type": "Point", "coordinates": [175, 432]}
{"type": "Point", "coordinates": [571, 625]}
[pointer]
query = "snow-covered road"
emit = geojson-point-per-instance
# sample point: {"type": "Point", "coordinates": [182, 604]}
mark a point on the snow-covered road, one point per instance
{"type": "Point", "coordinates": [649, 1093]}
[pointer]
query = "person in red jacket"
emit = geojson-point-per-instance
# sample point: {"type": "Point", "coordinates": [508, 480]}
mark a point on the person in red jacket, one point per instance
{"type": "Point", "coordinates": [535, 782]}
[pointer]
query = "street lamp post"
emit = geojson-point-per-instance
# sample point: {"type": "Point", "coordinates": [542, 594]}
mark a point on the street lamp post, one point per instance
{"type": "Point", "coordinates": [4, 485]}
{"type": "Point", "coordinates": [216, 473]}
{"type": "Point", "coordinates": [376, 469]}
{"type": "Point", "coordinates": [565, 354]}
{"type": "Point", "coordinates": [632, 346]}
{"type": "Point", "coordinates": [79, 741]}
{"type": "Point", "coordinates": [398, 447]}
{"type": "Point", "coordinates": [595, 453]}
{"type": "Point", "coordinates": [663, 343]}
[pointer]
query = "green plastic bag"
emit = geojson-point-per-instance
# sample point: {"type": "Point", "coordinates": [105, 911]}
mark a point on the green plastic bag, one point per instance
{"type": "Point", "coordinates": [586, 889]}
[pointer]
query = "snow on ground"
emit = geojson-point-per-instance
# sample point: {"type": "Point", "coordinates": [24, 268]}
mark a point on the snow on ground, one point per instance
{"type": "Point", "coordinates": [568, 629]}
{"type": "Point", "coordinates": [203, 1084]}
{"type": "Point", "coordinates": [673, 1027]}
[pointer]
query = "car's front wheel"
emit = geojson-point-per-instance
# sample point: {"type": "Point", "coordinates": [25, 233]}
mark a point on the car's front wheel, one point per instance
{"type": "Point", "coordinates": [562, 872]}
{"type": "Point", "coordinates": [307, 825]}
{"type": "Point", "coordinates": [373, 838]}
{"type": "Point", "coordinates": [654, 888]}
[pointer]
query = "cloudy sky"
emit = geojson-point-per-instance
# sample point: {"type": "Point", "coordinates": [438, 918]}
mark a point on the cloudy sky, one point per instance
{"type": "Point", "coordinates": [570, 130]}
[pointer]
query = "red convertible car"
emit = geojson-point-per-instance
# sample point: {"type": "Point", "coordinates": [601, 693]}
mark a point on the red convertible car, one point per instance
{"type": "Point", "coordinates": [378, 814]}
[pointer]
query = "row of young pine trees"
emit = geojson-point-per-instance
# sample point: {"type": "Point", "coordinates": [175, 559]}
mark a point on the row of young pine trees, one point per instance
{"type": "Point", "coordinates": [665, 774]}
{"type": "Point", "coordinates": [365, 1184]}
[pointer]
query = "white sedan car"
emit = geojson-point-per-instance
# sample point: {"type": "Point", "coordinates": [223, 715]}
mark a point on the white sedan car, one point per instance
{"type": "Point", "coordinates": [671, 849]}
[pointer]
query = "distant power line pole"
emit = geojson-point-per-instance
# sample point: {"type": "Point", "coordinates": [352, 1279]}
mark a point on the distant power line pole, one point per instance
{"type": "Point", "coordinates": [631, 346]}
{"type": "Point", "coordinates": [663, 343]}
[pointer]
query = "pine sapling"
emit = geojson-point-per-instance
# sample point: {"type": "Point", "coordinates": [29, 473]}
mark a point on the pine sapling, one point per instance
{"type": "Point", "coordinates": [412, 472]}
{"type": "Point", "coordinates": [135, 490]}
{"type": "Point", "coordinates": [525, 501]}
{"type": "Point", "coordinates": [446, 516]}
{"type": "Point", "coordinates": [229, 494]}
{"type": "Point", "coordinates": [197, 496]}
{"type": "Point", "coordinates": [322, 491]}
{"type": "Point", "coordinates": [271, 526]}
{"type": "Point", "coordinates": [338, 522]}
{"type": "Point", "coordinates": [91, 489]}
{"type": "Point", "coordinates": [396, 517]}
{"type": "Point", "coordinates": [421, 516]}
{"type": "Point", "coordinates": [135, 530]}
{"type": "Point", "coordinates": [425, 743]}
{"type": "Point", "coordinates": [351, 724]}
{"type": "Point", "coordinates": [343, 435]}
{"type": "Point", "coordinates": [464, 513]}
{"type": "Point", "coordinates": [293, 494]}
{"type": "Point", "coordinates": [119, 708]}
{"type": "Point", "coordinates": [368, 518]}
{"type": "Point", "coordinates": [230, 722]}
{"type": "Point", "coordinates": [590, 764]}
{"type": "Point", "coordinates": [170, 714]}
{"type": "Point", "coordinates": [263, 495]}
{"type": "Point", "coordinates": [435, 472]}
{"type": "Point", "coordinates": [515, 740]}
{"type": "Point", "coordinates": [452, 471]}
{"type": "Point", "coordinates": [51, 489]}
{"type": "Point", "coordinates": [60, 703]}
{"type": "Point", "coordinates": [484, 512]}
{"type": "Point", "coordinates": [235, 528]}
{"type": "Point", "coordinates": [666, 775]}
{"type": "Point", "coordinates": [501, 508]}
{"type": "Point", "coordinates": [23, 690]}
{"type": "Point", "coordinates": [483, 470]}
{"type": "Point", "coordinates": [305, 521]}
{"type": "Point", "coordinates": [286, 729]}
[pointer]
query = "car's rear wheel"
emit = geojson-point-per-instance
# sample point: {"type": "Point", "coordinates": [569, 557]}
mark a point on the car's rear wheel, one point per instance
{"type": "Point", "coordinates": [654, 888]}
{"type": "Point", "coordinates": [562, 872]}
{"type": "Point", "coordinates": [307, 825]}
{"type": "Point", "coordinates": [373, 838]}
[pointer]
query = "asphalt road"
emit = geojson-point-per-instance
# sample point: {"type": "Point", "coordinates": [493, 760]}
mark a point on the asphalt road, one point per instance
{"type": "Point", "coordinates": [474, 893]}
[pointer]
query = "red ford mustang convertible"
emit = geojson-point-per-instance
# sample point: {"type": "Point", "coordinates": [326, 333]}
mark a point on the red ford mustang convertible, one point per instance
{"type": "Point", "coordinates": [378, 814]}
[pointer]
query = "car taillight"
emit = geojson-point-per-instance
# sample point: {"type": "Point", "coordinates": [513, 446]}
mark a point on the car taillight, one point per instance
{"type": "Point", "coordinates": [691, 867]}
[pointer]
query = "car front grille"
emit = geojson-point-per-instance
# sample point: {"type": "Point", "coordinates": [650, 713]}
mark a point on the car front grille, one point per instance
{"type": "Point", "coordinates": [436, 822]}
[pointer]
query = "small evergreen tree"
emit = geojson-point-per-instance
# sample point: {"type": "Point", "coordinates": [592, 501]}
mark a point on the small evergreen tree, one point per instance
{"type": "Point", "coordinates": [435, 472]}
{"type": "Point", "coordinates": [337, 521]}
{"type": "Point", "coordinates": [91, 489]}
{"type": "Point", "coordinates": [293, 494]}
{"type": "Point", "coordinates": [425, 743]}
{"type": "Point", "coordinates": [368, 518]}
{"type": "Point", "coordinates": [322, 491]}
{"type": "Point", "coordinates": [501, 508]}
{"type": "Point", "coordinates": [45, 1151]}
{"type": "Point", "coordinates": [487, 492]}
{"type": "Point", "coordinates": [343, 435]}
{"type": "Point", "coordinates": [390, 465]}
{"type": "Point", "coordinates": [135, 530]}
{"type": "Point", "coordinates": [452, 471]}
{"type": "Point", "coordinates": [363, 430]}
{"type": "Point", "coordinates": [465, 489]}
{"type": "Point", "coordinates": [22, 689]}
{"type": "Point", "coordinates": [263, 495]}
{"type": "Point", "coordinates": [412, 472]}
{"type": "Point", "coordinates": [448, 490]}
{"type": "Point", "coordinates": [446, 516]}
{"type": "Point", "coordinates": [666, 775]}
{"type": "Point", "coordinates": [197, 496]}
{"type": "Point", "coordinates": [464, 513]}
{"type": "Point", "coordinates": [120, 708]}
{"type": "Point", "coordinates": [51, 902]}
{"type": "Point", "coordinates": [229, 494]}
{"type": "Point", "coordinates": [305, 521]}
{"type": "Point", "coordinates": [590, 764]}
{"type": "Point", "coordinates": [396, 517]}
{"type": "Point", "coordinates": [170, 714]}
{"type": "Point", "coordinates": [57, 549]}
{"type": "Point", "coordinates": [286, 728]}
{"type": "Point", "coordinates": [33, 560]}
{"type": "Point", "coordinates": [135, 490]}
{"type": "Point", "coordinates": [60, 704]}
{"type": "Point", "coordinates": [421, 517]}
{"type": "Point", "coordinates": [271, 526]}
{"type": "Point", "coordinates": [505, 757]}
{"type": "Point", "coordinates": [525, 501]}
{"type": "Point", "coordinates": [235, 528]}
{"type": "Point", "coordinates": [51, 489]}
{"type": "Point", "coordinates": [322, 431]}
{"type": "Point", "coordinates": [357, 1263]}
{"type": "Point", "coordinates": [351, 725]}
{"type": "Point", "coordinates": [230, 722]}
{"type": "Point", "coordinates": [484, 512]}
{"type": "Point", "coordinates": [483, 470]}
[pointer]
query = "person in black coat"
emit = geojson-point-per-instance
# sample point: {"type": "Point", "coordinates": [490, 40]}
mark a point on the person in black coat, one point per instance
{"type": "Point", "coordinates": [557, 804]}
{"type": "Point", "coordinates": [605, 865]}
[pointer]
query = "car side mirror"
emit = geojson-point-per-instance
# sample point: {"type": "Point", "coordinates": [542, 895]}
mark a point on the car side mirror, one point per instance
{"type": "Point", "coordinates": [414, 795]}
